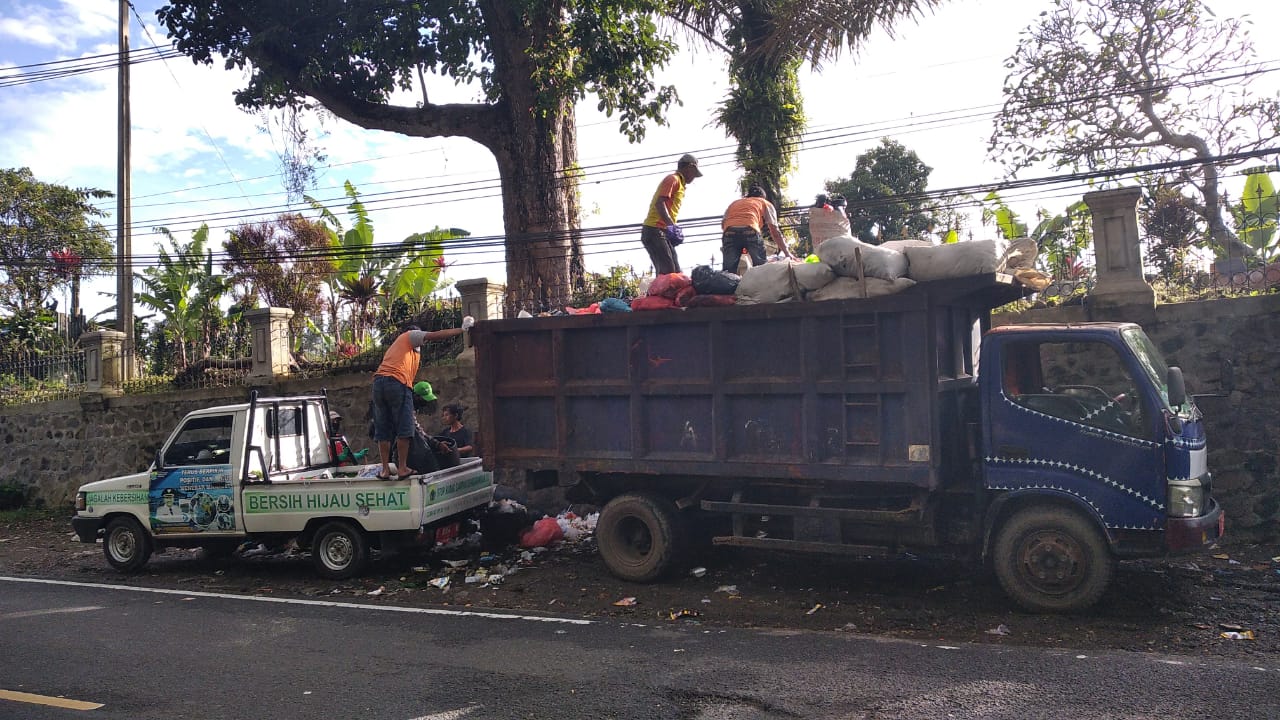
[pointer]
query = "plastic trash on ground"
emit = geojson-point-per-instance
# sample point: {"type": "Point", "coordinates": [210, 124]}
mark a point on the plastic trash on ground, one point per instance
{"type": "Point", "coordinates": [626, 602]}
{"type": "Point", "coordinates": [1000, 629]}
{"type": "Point", "coordinates": [543, 533]}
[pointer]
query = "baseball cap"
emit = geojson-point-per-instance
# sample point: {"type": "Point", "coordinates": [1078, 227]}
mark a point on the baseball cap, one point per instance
{"type": "Point", "coordinates": [688, 159]}
{"type": "Point", "coordinates": [423, 390]}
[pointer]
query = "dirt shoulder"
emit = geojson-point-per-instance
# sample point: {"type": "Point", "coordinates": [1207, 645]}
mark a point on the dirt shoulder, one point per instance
{"type": "Point", "coordinates": [1176, 606]}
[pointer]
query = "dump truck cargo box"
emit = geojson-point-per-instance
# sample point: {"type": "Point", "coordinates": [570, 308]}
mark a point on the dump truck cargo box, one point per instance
{"type": "Point", "coordinates": [867, 390]}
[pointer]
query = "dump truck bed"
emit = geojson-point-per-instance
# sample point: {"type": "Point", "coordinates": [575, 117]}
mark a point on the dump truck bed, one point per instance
{"type": "Point", "coordinates": [844, 391]}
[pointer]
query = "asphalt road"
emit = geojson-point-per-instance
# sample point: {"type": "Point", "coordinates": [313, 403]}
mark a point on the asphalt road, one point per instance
{"type": "Point", "coordinates": [148, 653]}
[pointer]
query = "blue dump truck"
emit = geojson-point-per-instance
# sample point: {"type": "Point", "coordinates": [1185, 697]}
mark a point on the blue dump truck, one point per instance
{"type": "Point", "coordinates": [868, 427]}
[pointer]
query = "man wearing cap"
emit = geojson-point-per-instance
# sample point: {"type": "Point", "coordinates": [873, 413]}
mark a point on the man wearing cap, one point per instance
{"type": "Point", "coordinates": [660, 234]}
{"type": "Point", "coordinates": [393, 393]}
{"type": "Point", "coordinates": [743, 222]}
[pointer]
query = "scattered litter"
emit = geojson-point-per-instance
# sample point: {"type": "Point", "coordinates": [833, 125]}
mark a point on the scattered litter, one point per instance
{"type": "Point", "coordinates": [1202, 626]}
{"type": "Point", "coordinates": [698, 572]}
{"type": "Point", "coordinates": [1233, 562]}
{"type": "Point", "coordinates": [526, 556]}
{"type": "Point", "coordinates": [936, 588]}
{"type": "Point", "coordinates": [1246, 635]}
{"type": "Point", "coordinates": [677, 614]}
{"type": "Point", "coordinates": [1276, 559]}
{"type": "Point", "coordinates": [1230, 626]}
{"type": "Point", "coordinates": [1000, 629]}
{"type": "Point", "coordinates": [706, 601]}
{"type": "Point", "coordinates": [306, 692]}
{"type": "Point", "coordinates": [441, 582]}
{"type": "Point", "coordinates": [552, 601]}
{"type": "Point", "coordinates": [473, 579]}
{"type": "Point", "coordinates": [678, 650]}
{"type": "Point", "coordinates": [626, 602]}
{"type": "Point", "coordinates": [455, 563]}
{"type": "Point", "coordinates": [849, 627]}
{"type": "Point", "coordinates": [376, 592]}
{"type": "Point", "coordinates": [1222, 556]}
{"type": "Point", "coordinates": [815, 608]}
{"type": "Point", "coordinates": [252, 552]}
{"type": "Point", "coordinates": [421, 569]}
{"type": "Point", "coordinates": [731, 589]}
{"type": "Point", "coordinates": [187, 599]}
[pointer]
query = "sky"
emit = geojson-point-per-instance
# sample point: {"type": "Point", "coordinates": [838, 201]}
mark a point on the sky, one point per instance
{"type": "Point", "coordinates": [196, 157]}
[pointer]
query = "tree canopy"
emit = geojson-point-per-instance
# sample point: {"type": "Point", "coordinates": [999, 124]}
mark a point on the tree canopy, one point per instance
{"type": "Point", "coordinates": [886, 194]}
{"type": "Point", "coordinates": [49, 236]}
{"type": "Point", "coordinates": [1108, 84]}
{"type": "Point", "coordinates": [530, 60]}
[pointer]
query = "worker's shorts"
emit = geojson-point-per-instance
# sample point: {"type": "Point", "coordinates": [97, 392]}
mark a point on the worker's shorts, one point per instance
{"type": "Point", "coordinates": [661, 253]}
{"type": "Point", "coordinates": [392, 409]}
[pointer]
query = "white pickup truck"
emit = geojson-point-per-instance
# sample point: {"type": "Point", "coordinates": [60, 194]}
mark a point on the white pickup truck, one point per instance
{"type": "Point", "coordinates": [266, 470]}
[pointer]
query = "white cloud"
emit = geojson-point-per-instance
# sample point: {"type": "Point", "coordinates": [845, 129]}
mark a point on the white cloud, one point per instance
{"type": "Point", "coordinates": [63, 26]}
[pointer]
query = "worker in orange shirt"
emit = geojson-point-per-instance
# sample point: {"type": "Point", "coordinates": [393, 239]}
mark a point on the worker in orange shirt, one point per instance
{"type": "Point", "coordinates": [660, 234]}
{"type": "Point", "coordinates": [743, 224]}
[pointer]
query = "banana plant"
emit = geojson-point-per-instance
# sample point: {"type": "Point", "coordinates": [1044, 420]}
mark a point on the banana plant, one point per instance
{"type": "Point", "coordinates": [184, 289]}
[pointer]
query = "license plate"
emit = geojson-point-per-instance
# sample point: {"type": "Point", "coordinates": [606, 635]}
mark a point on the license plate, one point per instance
{"type": "Point", "coordinates": [445, 533]}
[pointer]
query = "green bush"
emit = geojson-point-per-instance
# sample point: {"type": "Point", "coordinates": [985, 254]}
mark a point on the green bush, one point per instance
{"type": "Point", "coordinates": [12, 496]}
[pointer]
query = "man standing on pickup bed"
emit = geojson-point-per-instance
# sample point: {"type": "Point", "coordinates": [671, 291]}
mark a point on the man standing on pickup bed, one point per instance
{"type": "Point", "coordinates": [660, 234]}
{"type": "Point", "coordinates": [393, 393]}
{"type": "Point", "coordinates": [743, 225]}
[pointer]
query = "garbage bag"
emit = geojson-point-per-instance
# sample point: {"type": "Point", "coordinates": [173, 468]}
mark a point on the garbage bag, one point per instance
{"type": "Point", "coordinates": [839, 253]}
{"type": "Point", "coordinates": [712, 301]}
{"type": "Point", "coordinates": [686, 293]}
{"type": "Point", "coordinates": [827, 222]}
{"type": "Point", "coordinates": [843, 288]}
{"type": "Point", "coordinates": [709, 281]}
{"type": "Point", "coordinates": [768, 283]}
{"type": "Point", "coordinates": [962, 259]}
{"type": "Point", "coordinates": [652, 302]}
{"type": "Point", "coordinates": [613, 304]}
{"type": "Point", "coordinates": [812, 276]}
{"type": "Point", "coordinates": [667, 285]}
{"type": "Point", "coordinates": [543, 533]}
{"type": "Point", "coordinates": [592, 309]}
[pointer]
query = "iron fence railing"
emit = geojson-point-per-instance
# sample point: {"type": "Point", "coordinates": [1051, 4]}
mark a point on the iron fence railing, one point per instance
{"type": "Point", "coordinates": [27, 377]}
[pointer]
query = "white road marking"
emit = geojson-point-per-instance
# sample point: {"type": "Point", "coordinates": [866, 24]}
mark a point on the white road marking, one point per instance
{"type": "Point", "coordinates": [298, 601]}
{"type": "Point", "coordinates": [451, 714]}
{"type": "Point", "coordinates": [50, 611]}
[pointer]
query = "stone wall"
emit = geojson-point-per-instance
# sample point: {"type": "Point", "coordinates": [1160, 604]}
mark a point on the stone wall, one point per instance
{"type": "Point", "coordinates": [1229, 352]}
{"type": "Point", "coordinates": [53, 448]}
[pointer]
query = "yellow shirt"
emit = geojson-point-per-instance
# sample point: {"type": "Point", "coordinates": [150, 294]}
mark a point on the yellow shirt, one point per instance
{"type": "Point", "coordinates": [671, 189]}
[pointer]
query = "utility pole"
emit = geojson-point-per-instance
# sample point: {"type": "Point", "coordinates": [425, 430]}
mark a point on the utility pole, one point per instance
{"type": "Point", "coordinates": [124, 237]}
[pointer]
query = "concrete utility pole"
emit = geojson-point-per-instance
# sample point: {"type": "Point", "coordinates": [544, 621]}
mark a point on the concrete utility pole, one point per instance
{"type": "Point", "coordinates": [124, 238]}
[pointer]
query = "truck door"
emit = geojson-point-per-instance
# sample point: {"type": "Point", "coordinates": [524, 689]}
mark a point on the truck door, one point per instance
{"type": "Point", "coordinates": [1067, 417]}
{"type": "Point", "coordinates": [192, 489]}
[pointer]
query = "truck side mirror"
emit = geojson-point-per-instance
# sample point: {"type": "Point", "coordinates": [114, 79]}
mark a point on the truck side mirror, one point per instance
{"type": "Point", "coordinates": [1177, 387]}
{"type": "Point", "coordinates": [158, 462]}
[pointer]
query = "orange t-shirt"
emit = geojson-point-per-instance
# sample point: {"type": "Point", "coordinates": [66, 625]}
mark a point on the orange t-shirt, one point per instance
{"type": "Point", "coordinates": [401, 359]}
{"type": "Point", "coordinates": [752, 212]}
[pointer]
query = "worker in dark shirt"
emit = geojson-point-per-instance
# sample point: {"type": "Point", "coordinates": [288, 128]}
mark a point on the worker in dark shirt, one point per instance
{"type": "Point", "coordinates": [454, 429]}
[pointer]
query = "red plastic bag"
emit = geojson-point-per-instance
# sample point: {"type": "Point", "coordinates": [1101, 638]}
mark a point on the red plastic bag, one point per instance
{"type": "Point", "coordinates": [543, 533]}
{"type": "Point", "coordinates": [668, 285]}
{"type": "Point", "coordinates": [686, 294]}
{"type": "Point", "coordinates": [592, 309]}
{"type": "Point", "coordinates": [652, 302]}
{"type": "Point", "coordinates": [711, 301]}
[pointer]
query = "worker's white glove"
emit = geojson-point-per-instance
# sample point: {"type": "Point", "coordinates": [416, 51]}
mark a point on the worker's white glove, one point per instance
{"type": "Point", "coordinates": [468, 322]}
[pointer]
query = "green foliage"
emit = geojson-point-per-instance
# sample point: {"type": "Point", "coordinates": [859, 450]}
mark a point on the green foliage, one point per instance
{"type": "Point", "coordinates": [1255, 215]}
{"type": "Point", "coordinates": [1172, 228]}
{"type": "Point", "coordinates": [994, 210]}
{"type": "Point", "coordinates": [886, 194]}
{"type": "Point", "coordinates": [184, 289]}
{"type": "Point", "coordinates": [37, 220]}
{"type": "Point", "coordinates": [282, 263]}
{"type": "Point", "coordinates": [1062, 240]}
{"type": "Point", "coordinates": [620, 281]}
{"type": "Point", "coordinates": [30, 330]}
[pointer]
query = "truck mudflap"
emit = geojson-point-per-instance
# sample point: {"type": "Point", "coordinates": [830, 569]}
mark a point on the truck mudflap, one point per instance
{"type": "Point", "coordinates": [1189, 534]}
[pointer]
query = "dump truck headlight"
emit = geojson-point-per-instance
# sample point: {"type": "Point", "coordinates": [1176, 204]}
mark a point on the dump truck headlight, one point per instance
{"type": "Point", "coordinates": [80, 502]}
{"type": "Point", "coordinates": [1186, 499]}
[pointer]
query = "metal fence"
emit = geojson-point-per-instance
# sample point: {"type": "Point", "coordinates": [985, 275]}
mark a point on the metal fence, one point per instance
{"type": "Point", "coordinates": [28, 377]}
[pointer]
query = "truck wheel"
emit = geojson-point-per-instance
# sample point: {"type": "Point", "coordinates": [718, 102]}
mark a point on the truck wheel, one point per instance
{"type": "Point", "coordinates": [339, 550]}
{"type": "Point", "coordinates": [126, 545]}
{"type": "Point", "coordinates": [640, 536]}
{"type": "Point", "coordinates": [1052, 560]}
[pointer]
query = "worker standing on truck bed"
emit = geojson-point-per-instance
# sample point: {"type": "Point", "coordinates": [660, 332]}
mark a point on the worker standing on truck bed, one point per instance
{"type": "Point", "coordinates": [743, 224]}
{"type": "Point", "coordinates": [393, 393]}
{"type": "Point", "coordinates": [660, 234]}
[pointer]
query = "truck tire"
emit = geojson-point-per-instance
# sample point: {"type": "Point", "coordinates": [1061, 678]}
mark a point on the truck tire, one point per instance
{"type": "Point", "coordinates": [339, 550]}
{"type": "Point", "coordinates": [126, 545]}
{"type": "Point", "coordinates": [1051, 559]}
{"type": "Point", "coordinates": [640, 536]}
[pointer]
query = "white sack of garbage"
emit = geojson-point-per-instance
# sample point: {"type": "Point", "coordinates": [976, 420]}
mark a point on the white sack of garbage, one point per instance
{"type": "Point", "coordinates": [768, 283]}
{"type": "Point", "coordinates": [825, 223]}
{"type": "Point", "coordinates": [841, 254]}
{"type": "Point", "coordinates": [844, 288]}
{"type": "Point", "coordinates": [962, 259]}
{"type": "Point", "coordinates": [812, 277]}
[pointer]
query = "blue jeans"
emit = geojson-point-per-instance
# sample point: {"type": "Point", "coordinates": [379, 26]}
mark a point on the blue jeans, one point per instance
{"type": "Point", "coordinates": [392, 409]}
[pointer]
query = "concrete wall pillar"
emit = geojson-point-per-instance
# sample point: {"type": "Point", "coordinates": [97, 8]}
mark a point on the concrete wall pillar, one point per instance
{"type": "Point", "coordinates": [269, 330]}
{"type": "Point", "coordinates": [104, 361]}
{"type": "Point", "coordinates": [1118, 252]}
{"type": "Point", "coordinates": [481, 299]}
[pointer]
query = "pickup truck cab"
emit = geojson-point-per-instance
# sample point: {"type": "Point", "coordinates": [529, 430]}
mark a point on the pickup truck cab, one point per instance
{"type": "Point", "coordinates": [266, 470]}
